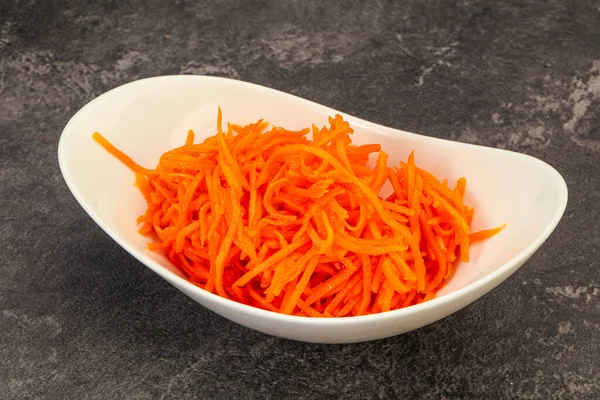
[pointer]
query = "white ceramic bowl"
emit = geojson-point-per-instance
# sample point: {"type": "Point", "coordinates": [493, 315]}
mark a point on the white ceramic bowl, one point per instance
{"type": "Point", "coordinates": [147, 117]}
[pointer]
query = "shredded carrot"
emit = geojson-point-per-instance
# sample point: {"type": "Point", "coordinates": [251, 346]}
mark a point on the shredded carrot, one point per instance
{"type": "Point", "coordinates": [297, 225]}
{"type": "Point", "coordinates": [485, 234]}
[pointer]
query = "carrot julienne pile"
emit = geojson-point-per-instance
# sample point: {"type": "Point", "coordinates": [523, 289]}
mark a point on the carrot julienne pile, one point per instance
{"type": "Point", "coordinates": [271, 218]}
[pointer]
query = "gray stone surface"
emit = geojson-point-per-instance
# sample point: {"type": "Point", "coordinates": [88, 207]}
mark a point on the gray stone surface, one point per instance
{"type": "Point", "coordinates": [81, 319]}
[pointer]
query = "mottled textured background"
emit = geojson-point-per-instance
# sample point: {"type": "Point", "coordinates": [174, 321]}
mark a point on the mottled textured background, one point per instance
{"type": "Point", "coordinates": [81, 319]}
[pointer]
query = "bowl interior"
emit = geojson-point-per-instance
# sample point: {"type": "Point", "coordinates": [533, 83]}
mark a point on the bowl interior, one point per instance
{"type": "Point", "coordinates": [148, 117]}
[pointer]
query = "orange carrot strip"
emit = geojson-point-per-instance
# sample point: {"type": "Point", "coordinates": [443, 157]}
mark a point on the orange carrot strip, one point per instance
{"type": "Point", "coordinates": [340, 296]}
{"type": "Point", "coordinates": [270, 261]}
{"type": "Point", "coordinates": [485, 234]}
{"type": "Point", "coordinates": [367, 273]}
{"type": "Point", "coordinates": [189, 140]}
{"type": "Point", "coordinates": [461, 185]}
{"type": "Point", "coordinates": [326, 286]}
{"type": "Point", "coordinates": [124, 158]}
{"type": "Point", "coordinates": [299, 289]}
{"type": "Point", "coordinates": [439, 256]}
{"type": "Point", "coordinates": [347, 307]}
{"type": "Point", "coordinates": [392, 277]}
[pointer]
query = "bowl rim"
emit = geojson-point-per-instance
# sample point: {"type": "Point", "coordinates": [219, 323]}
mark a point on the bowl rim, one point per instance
{"type": "Point", "coordinates": [493, 278]}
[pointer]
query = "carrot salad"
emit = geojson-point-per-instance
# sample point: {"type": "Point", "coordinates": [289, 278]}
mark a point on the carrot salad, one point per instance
{"type": "Point", "coordinates": [274, 219]}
